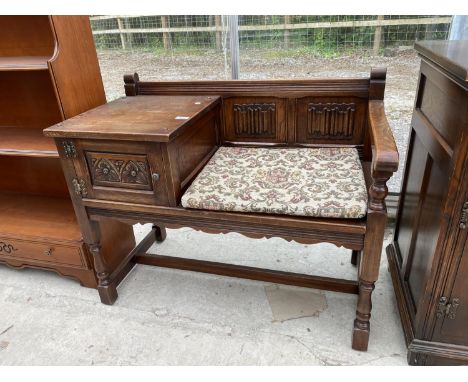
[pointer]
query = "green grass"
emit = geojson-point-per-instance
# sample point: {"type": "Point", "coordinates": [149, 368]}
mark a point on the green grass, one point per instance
{"type": "Point", "coordinates": [262, 53]}
{"type": "Point", "coordinates": [325, 52]}
{"type": "Point", "coordinates": [180, 50]}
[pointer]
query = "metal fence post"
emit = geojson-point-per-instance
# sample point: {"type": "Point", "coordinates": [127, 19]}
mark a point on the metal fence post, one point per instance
{"type": "Point", "coordinates": [234, 44]}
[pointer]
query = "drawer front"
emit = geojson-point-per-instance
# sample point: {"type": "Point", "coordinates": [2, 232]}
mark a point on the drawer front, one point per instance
{"type": "Point", "coordinates": [120, 171]}
{"type": "Point", "coordinates": [49, 253]}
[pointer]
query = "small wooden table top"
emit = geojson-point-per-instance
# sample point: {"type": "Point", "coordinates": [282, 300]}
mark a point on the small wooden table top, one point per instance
{"type": "Point", "coordinates": [148, 118]}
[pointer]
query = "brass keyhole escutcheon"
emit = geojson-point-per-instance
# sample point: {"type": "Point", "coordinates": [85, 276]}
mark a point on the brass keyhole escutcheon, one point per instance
{"type": "Point", "coordinates": [155, 177]}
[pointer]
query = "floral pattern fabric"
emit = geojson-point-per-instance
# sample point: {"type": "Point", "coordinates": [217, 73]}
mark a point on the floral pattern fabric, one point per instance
{"type": "Point", "coordinates": [319, 182]}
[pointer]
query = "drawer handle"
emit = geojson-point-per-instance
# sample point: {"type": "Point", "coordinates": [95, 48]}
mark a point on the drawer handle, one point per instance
{"type": "Point", "coordinates": [155, 176]}
{"type": "Point", "coordinates": [48, 252]}
{"type": "Point", "coordinates": [7, 248]}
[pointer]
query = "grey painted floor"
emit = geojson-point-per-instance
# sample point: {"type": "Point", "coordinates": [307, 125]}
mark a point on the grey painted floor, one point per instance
{"type": "Point", "coordinates": [172, 317]}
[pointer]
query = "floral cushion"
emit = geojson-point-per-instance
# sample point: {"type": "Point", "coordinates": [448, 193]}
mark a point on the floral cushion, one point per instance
{"type": "Point", "coordinates": [319, 182]}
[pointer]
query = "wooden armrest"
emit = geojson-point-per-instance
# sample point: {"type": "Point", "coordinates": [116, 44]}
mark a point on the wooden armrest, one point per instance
{"type": "Point", "coordinates": [384, 150]}
{"type": "Point", "coordinates": [384, 155]}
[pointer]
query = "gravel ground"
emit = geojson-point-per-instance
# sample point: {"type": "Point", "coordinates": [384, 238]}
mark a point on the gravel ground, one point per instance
{"type": "Point", "coordinates": [402, 76]}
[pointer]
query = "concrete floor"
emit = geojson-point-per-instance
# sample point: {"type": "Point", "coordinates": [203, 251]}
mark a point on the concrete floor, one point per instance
{"type": "Point", "coordinates": [172, 317]}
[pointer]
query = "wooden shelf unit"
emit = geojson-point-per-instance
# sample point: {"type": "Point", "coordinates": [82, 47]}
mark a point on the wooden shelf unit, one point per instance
{"type": "Point", "coordinates": [26, 141]}
{"type": "Point", "coordinates": [23, 63]}
{"type": "Point", "coordinates": [49, 72]}
{"type": "Point", "coordinates": [38, 216]}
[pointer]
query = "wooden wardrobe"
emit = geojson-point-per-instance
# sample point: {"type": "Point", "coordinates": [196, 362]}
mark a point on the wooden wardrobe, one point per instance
{"type": "Point", "coordinates": [429, 254]}
{"type": "Point", "coordinates": [49, 72]}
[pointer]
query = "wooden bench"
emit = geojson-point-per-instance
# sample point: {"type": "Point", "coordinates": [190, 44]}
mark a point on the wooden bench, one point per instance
{"type": "Point", "coordinates": [134, 158]}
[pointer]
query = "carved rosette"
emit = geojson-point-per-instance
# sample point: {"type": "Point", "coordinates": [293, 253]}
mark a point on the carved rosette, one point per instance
{"type": "Point", "coordinates": [135, 172]}
{"type": "Point", "coordinates": [104, 170]}
{"type": "Point", "coordinates": [255, 119]}
{"type": "Point", "coordinates": [330, 120]}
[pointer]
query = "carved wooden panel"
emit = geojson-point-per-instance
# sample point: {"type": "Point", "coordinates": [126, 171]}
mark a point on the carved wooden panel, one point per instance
{"type": "Point", "coordinates": [330, 120]}
{"type": "Point", "coordinates": [254, 119]}
{"type": "Point", "coordinates": [123, 171]}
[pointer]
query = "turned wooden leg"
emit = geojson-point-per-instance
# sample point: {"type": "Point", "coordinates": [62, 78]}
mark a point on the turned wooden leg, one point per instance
{"type": "Point", "coordinates": [363, 313]}
{"type": "Point", "coordinates": [370, 260]}
{"type": "Point", "coordinates": [368, 274]}
{"type": "Point", "coordinates": [107, 290]}
{"type": "Point", "coordinates": [160, 233]}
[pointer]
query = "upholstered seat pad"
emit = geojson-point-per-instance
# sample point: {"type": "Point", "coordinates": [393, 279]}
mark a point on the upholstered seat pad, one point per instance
{"type": "Point", "coordinates": [319, 182]}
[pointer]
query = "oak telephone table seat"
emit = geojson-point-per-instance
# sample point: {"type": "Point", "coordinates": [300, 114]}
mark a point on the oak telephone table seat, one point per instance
{"type": "Point", "coordinates": [133, 159]}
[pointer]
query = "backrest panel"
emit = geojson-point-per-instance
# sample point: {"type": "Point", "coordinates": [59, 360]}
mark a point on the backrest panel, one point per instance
{"type": "Point", "coordinates": [330, 111]}
{"type": "Point", "coordinates": [330, 120]}
{"type": "Point", "coordinates": [254, 120]}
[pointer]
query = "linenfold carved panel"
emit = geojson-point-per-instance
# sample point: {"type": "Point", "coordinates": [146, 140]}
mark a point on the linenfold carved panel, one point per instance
{"type": "Point", "coordinates": [330, 120]}
{"type": "Point", "coordinates": [255, 119]}
{"type": "Point", "coordinates": [125, 171]}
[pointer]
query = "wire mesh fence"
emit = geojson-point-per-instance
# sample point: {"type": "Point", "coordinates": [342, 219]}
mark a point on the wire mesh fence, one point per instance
{"type": "Point", "coordinates": [159, 32]}
{"type": "Point", "coordinates": [317, 33]}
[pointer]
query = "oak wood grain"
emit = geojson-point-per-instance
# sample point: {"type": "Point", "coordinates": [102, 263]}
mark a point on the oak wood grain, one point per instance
{"type": "Point", "coordinates": [449, 55]}
{"type": "Point", "coordinates": [26, 142]}
{"type": "Point", "coordinates": [385, 152]}
{"type": "Point", "coordinates": [428, 255]}
{"type": "Point", "coordinates": [260, 113]}
{"type": "Point", "coordinates": [26, 36]}
{"type": "Point", "coordinates": [49, 71]}
{"type": "Point", "coordinates": [151, 118]}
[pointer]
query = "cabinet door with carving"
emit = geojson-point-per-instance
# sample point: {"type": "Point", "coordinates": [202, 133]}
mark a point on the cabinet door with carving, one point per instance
{"type": "Point", "coordinates": [120, 171]}
{"type": "Point", "coordinates": [452, 310]}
